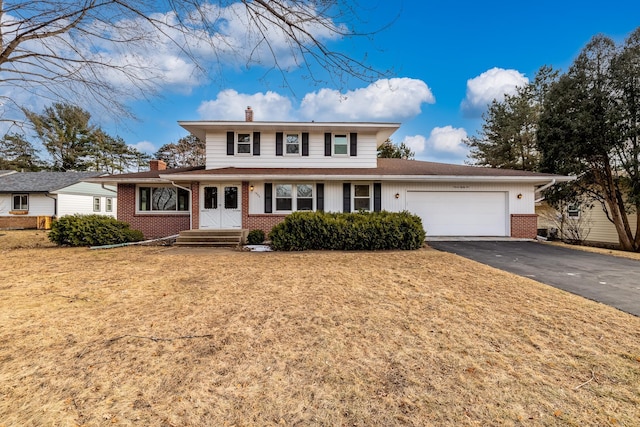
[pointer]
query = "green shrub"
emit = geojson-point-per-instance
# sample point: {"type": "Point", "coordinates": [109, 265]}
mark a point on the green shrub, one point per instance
{"type": "Point", "coordinates": [255, 237]}
{"type": "Point", "coordinates": [91, 230]}
{"type": "Point", "coordinates": [348, 231]}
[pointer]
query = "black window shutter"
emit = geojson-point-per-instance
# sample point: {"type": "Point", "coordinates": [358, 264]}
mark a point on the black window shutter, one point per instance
{"type": "Point", "coordinates": [377, 197]}
{"type": "Point", "coordinates": [327, 144]}
{"type": "Point", "coordinates": [320, 197]}
{"type": "Point", "coordinates": [305, 144]}
{"type": "Point", "coordinates": [268, 194]}
{"type": "Point", "coordinates": [256, 143]}
{"type": "Point", "coordinates": [346, 197]}
{"type": "Point", "coordinates": [230, 143]}
{"type": "Point", "coordinates": [278, 143]}
{"type": "Point", "coordinates": [353, 150]}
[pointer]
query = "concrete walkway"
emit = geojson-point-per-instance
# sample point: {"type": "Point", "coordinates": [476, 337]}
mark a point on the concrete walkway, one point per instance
{"type": "Point", "coordinates": [604, 278]}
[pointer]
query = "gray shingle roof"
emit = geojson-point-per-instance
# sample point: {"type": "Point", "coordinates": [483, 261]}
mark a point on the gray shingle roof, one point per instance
{"type": "Point", "coordinates": [6, 172]}
{"type": "Point", "coordinates": [41, 182]}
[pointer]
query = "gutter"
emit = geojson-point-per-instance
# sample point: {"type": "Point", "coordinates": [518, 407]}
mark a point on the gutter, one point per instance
{"type": "Point", "coordinates": [190, 203]}
{"type": "Point", "coordinates": [103, 185]}
{"type": "Point", "coordinates": [544, 187]}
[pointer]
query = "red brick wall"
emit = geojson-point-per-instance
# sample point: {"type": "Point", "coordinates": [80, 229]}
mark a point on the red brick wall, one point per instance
{"type": "Point", "coordinates": [18, 221]}
{"type": "Point", "coordinates": [195, 204]}
{"type": "Point", "coordinates": [151, 225]}
{"type": "Point", "coordinates": [524, 226]}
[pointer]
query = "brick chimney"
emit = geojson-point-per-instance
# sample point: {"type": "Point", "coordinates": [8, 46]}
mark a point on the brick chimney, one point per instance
{"type": "Point", "coordinates": [157, 165]}
{"type": "Point", "coordinates": [248, 114]}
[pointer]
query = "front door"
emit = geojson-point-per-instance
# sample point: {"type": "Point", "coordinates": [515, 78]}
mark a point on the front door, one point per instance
{"type": "Point", "coordinates": [220, 206]}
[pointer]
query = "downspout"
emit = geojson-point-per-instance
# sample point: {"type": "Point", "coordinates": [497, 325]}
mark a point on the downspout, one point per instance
{"type": "Point", "coordinates": [55, 203]}
{"type": "Point", "coordinates": [190, 203]}
{"type": "Point", "coordinates": [103, 185]}
{"type": "Point", "coordinates": [544, 187]}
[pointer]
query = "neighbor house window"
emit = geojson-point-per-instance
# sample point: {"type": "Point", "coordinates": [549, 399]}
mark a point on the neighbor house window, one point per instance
{"type": "Point", "coordinates": [293, 143]}
{"type": "Point", "coordinates": [361, 197]}
{"type": "Point", "coordinates": [162, 199]}
{"type": "Point", "coordinates": [244, 143]}
{"type": "Point", "coordinates": [96, 204]}
{"type": "Point", "coordinates": [573, 211]}
{"type": "Point", "coordinates": [20, 202]}
{"type": "Point", "coordinates": [294, 197]}
{"type": "Point", "coordinates": [109, 204]}
{"type": "Point", "coordinates": [340, 144]}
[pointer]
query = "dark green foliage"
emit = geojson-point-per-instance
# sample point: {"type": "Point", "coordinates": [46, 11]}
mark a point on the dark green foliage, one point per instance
{"type": "Point", "coordinates": [92, 230]}
{"type": "Point", "coordinates": [255, 237]}
{"type": "Point", "coordinates": [348, 231]}
{"type": "Point", "coordinates": [389, 150]}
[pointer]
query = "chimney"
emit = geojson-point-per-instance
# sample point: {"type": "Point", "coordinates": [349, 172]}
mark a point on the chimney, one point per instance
{"type": "Point", "coordinates": [157, 165]}
{"type": "Point", "coordinates": [248, 114]}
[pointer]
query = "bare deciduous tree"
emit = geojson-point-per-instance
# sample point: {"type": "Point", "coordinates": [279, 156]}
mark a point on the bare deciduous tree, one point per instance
{"type": "Point", "coordinates": [104, 52]}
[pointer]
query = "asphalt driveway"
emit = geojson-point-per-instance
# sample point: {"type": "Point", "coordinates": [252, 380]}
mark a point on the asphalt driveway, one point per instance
{"type": "Point", "coordinates": [604, 278]}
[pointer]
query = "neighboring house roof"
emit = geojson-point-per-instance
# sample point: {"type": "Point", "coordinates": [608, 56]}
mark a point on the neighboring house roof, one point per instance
{"type": "Point", "coordinates": [387, 169]}
{"type": "Point", "coordinates": [41, 182]}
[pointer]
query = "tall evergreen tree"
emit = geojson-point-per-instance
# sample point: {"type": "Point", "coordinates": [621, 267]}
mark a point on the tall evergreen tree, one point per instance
{"type": "Point", "coordinates": [389, 150]}
{"type": "Point", "coordinates": [17, 153]}
{"type": "Point", "coordinates": [188, 151]}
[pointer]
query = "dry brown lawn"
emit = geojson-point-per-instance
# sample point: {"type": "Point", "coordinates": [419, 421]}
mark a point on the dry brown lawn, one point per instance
{"type": "Point", "coordinates": [173, 337]}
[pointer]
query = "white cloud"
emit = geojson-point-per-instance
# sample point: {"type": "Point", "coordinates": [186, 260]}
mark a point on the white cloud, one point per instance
{"type": "Point", "coordinates": [490, 85]}
{"type": "Point", "coordinates": [386, 99]}
{"type": "Point", "coordinates": [394, 100]}
{"type": "Point", "coordinates": [416, 143]}
{"type": "Point", "coordinates": [447, 140]}
{"type": "Point", "coordinates": [230, 105]}
{"type": "Point", "coordinates": [145, 147]}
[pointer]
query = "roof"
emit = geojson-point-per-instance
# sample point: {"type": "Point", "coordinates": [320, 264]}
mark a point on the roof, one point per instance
{"type": "Point", "coordinates": [6, 172]}
{"type": "Point", "coordinates": [200, 128]}
{"type": "Point", "coordinates": [41, 182]}
{"type": "Point", "coordinates": [387, 170]}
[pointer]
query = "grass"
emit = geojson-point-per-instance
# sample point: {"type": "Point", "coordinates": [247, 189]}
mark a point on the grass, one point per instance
{"type": "Point", "coordinates": [158, 336]}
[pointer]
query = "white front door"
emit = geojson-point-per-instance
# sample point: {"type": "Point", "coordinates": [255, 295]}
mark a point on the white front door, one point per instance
{"type": "Point", "coordinates": [220, 206]}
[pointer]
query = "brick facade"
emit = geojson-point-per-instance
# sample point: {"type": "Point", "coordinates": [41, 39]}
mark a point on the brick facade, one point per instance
{"type": "Point", "coordinates": [152, 225]}
{"type": "Point", "coordinates": [524, 226]}
{"type": "Point", "coordinates": [19, 221]}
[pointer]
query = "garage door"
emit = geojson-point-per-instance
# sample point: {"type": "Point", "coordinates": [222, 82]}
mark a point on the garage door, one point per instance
{"type": "Point", "coordinates": [460, 213]}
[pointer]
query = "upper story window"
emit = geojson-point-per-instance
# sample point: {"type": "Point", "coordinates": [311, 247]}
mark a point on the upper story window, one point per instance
{"type": "Point", "coordinates": [292, 143]}
{"type": "Point", "coordinates": [96, 204]}
{"type": "Point", "coordinates": [340, 144]}
{"type": "Point", "coordinates": [20, 202]}
{"type": "Point", "coordinates": [162, 199]}
{"type": "Point", "coordinates": [243, 145]}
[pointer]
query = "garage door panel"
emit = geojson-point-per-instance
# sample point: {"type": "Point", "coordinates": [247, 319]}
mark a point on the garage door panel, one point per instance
{"type": "Point", "coordinates": [460, 213]}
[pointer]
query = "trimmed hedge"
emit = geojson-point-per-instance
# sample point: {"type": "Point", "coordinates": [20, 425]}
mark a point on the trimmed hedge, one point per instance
{"type": "Point", "coordinates": [92, 230]}
{"type": "Point", "coordinates": [348, 231]}
{"type": "Point", "coordinates": [255, 237]}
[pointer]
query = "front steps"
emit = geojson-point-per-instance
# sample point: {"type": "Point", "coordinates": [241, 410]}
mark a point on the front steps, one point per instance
{"type": "Point", "coordinates": [212, 238]}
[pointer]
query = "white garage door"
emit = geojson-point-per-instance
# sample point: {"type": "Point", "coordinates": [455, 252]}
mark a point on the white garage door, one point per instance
{"type": "Point", "coordinates": [460, 213]}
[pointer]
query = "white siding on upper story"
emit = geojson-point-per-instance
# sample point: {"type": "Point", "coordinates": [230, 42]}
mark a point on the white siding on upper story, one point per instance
{"type": "Point", "coordinates": [39, 204]}
{"type": "Point", "coordinates": [71, 204]}
{"type": "Point", "coordinates": [217, 154]}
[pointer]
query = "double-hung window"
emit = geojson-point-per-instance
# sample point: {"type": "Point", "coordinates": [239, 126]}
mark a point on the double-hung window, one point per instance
{"type": "Point", "coordinates": [573, 211]}
{"type": "Point", "coordinates": [20, 202]}
{"type": "Point", "coordinates": [361, 197]}
{"type": "Point", "coordinates": [292, 143]}
{"type": "Point", "coordinates": [243, 145]}
{"type": "Point", "coordinates": [294, 197]}
{"type": "Point", "coordinates": [162, 199]}
{"type": "Point", "coordinates": [340, 146]}
{"type": "Point", "coordinates": [109, 204]}
{"type": "Point", "coordinates": [96, 204]}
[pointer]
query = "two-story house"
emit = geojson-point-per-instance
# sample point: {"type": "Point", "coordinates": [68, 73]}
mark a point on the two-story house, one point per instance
{"type": "Point", "coordinates": [257, 173]}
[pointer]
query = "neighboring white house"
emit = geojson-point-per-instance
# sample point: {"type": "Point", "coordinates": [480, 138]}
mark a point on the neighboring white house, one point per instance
{"type": "Point", "coordinates": [31, 199]}
{"type": "Point", "coordinates": [257, 173]}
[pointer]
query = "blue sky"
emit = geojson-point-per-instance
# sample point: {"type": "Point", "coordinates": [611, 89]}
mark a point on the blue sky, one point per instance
{"type": "Point", "coordinates": [448, 60]}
